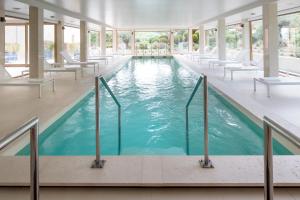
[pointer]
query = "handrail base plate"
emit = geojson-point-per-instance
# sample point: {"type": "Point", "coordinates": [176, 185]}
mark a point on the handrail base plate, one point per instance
{"type": "Point", "coordinates": [206, 164]}
{"type": "Point", "coordinates": [98, 164]}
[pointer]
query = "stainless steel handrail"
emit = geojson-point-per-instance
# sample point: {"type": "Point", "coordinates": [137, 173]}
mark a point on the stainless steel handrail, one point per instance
{"type": "Point", "coordinates": [32, 126]}
{"type": "Point", "coordinates": [119, 112]}
{"type": "Point", "coordinates": [187, 115]}
{"type": "Point", "coordinates": [98, 163]}
{"type": "Point", "coordinates": [270, 125]}
{"type": "Point", "coordinates": [206, 162]}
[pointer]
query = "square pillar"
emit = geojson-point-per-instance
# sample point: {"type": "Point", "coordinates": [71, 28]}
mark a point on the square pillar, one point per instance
{"type": "Point", "coordinates": [2, 38]}
{"type": "Point", "coordinates": [270, 36]}
{"type": "Point", "coordinates": [59, 43]}
{"type": "Point", "coordinates": [36, 40]}
{"type": "Point", "coordinates": [103, 40]}
{"type": "Point", "coordinates": [83, 41]}
{"type": "Point", "coordinates": [201, 39]}
{"type": "Point", "coordinates": [190, 40]}
{"type": "Point", "coordinates": [221, 39]}
{"type": "Point", "coordinates": [133, 42]}
{"type": "Point", "coordinates": [172, 41]}
{"type": "Point", "coordinates": [246, 38]}
{"type": "Point", "coordinates": [115, 41]}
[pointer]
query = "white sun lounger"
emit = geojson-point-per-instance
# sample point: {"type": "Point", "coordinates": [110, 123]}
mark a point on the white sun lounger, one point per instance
{"type": "Point", "coordinates": [7, 80]}
{"type": "Point", "coordinates": [206, 56]}
{"type": "Point", "coordinates": [233, 69]}
{"type": "Point", "coordinates": [270, 81]}
{"type": "Point", "coordinates": [254, 66]}
{"type": "Point", "coordinates": [71, 61]}
{"type": "Point", "coordinates": [100, 58]}
{"type": "Point", "coordinates": [239, 58]}
{"type": "Point", "coordinates": [57, 67]}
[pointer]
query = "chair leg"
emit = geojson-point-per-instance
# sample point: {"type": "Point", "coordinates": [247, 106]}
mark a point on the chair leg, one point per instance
{"type": "Point", "coordinates": [53, 85]}
{"type": "Point", "coordinates": [268, 91]}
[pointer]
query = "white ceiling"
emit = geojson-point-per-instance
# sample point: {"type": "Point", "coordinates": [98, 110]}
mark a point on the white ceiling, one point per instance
{"type": "Point", "coordinates": [144, 13]}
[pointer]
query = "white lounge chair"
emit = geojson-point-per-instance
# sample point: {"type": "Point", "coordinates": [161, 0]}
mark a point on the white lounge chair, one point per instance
{"type": "Point", "coordinates": [271, 81]}
{"type": "Point", "coordinates": [58, 67]}
{"type": "Point", "coordinates": [253, 66]}
{"type": "Point", "coordinates": [239, 58]}
{"type": "Point", "coordinates": [100, 58]}
{"type": "Point", "coordinates": [205, 56]}
{"type": "Point", "coordinates": [7, 80]}
{"type": "Point", "coordinates": [71, 61]}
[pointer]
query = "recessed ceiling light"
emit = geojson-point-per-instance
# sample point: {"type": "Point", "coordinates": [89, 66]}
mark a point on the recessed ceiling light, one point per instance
{"type": "Point", "coordinates": [16, 8]}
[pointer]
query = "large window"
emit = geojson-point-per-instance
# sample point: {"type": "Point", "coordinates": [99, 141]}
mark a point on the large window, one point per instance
{"type": "Point", "coordinates": [234, 34]}
{"type": "Point", "coordinates": [124, 42]}
{"type": "Point", "coordinates": [289, 42]}
{"type": "Point", "coordinates": [257, 39]}
{"type": "Point", "coordinates": [181, 38]}
{"type": "Point", "coordinates": [152, 43]}
{"type": "Point", "coordinates": [289, 31]}
{"type": "Point", "coordinates": [195, 34]}
{"type": "Point", "coordinates": [94, 43]}
{"type": "Point", "coordinates": [15, 44]}
{"type": "Point", "coordinates": [49, 42]}
{"type": "Point", "coordinates": [210, 40]}
{"type": "Point", "coordinates": [72, 41]}
{"type": "Point", "coordinates": [109, 42]}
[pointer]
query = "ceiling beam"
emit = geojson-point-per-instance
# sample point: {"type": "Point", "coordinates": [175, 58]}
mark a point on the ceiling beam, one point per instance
{"type": "Point", "coordinates": [60, 10]}
{"type": "Point", "coordinates": [235, 11]}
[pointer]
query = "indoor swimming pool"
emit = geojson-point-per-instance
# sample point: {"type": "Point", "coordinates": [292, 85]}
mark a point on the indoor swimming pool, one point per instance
{"type": "Point", "coordinates": [153, 94]}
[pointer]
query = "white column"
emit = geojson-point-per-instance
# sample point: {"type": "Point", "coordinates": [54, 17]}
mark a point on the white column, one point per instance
{"type": "Point", "coordinates": [246, 39]}
{"type": "Point", "coordinates": [103, 40]}
{"type": "Point", "coordinates": [59, 43]}
{"type": "Point", "coordinates": [270, 32]}
{"type": "Point", "coordinates": [115, 41]}
{"type": "Point", "coordinates": [172, 41]}
{"type": "Point", "coordinates": [221, 39]}
{"type": "Point", "coordinates": [83, 41]}
{"type": "Point", "coordinates": [133, 42]}
{"type": "Point", "coordinates": [36, 40]}
{"type": "Point", "coordinates": [2, 37]}
{"type": "Point", "coordinates": [201, 39]}
{"type": "Point", "coordinates": [190, 40]}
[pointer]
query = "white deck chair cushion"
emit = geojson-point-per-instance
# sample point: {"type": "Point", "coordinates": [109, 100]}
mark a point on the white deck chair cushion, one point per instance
{"type": "Point", "coordinates": [4, 75]}
{"type": "Point", "coordinates": [67, 57]}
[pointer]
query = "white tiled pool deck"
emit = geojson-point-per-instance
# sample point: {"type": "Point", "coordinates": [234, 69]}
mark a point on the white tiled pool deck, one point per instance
{"type": "Point", "coordinates": [229, 171]}
{"type": "Point", "coordinates": [151, 171]}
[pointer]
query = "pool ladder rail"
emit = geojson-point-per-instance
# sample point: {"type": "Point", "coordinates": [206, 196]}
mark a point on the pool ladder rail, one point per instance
{"type": "Point", "coordinates": [32, 126]}
{"type": "Point", "coordinates": [206, 162]}
{"type": "Point", "coordinates": [98, 163]}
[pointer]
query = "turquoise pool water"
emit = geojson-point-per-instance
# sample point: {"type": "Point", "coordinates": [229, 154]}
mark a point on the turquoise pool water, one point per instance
{"type": "Point", "coordinates": [153, 94]}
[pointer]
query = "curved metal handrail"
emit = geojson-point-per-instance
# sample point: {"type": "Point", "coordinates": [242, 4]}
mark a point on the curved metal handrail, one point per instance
{"type": "Point", "coordinates": [206, 162]}
{"type": "Point", "coordinates": [270, 125]}
{"type": "Point", "coordinates": [33, 127]}
{"type": "Point", "coordinates": [98, 163]}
